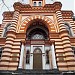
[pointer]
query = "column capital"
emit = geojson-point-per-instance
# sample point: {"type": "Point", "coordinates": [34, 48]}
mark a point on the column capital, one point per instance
{"type": "Point", "coordinates": [23, 42]}
{"type": "Point", "coordinates": [51, 42]}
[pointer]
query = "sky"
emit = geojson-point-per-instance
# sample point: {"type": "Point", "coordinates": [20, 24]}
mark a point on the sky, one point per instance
{"type": "Point", "coordinates": [66, 5]}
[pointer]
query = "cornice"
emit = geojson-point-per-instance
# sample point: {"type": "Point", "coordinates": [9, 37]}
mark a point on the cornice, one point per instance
{"type": "Point", "coordinates": [67, 13]}
{"type": "Point", "coordinates": [18, 6]}
{"type": "Point", "coordinates": [8, 15]}
{"type": "Point", "coordinates": [26, 7]}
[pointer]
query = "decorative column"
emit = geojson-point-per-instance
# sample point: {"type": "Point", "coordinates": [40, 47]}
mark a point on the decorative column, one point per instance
{"type": "Point", "coordinates": [24, 58]}
{"type": "Point", "coordinates": [21, 56]}
{"type": "Point", "coordinates": [50, 59]}
{"type": "Point", "coordinates": [43, 57]}
{"type": "Point", "coordinates": [53, 57]}
{"type": "Point", "coordinates": [31, 57]}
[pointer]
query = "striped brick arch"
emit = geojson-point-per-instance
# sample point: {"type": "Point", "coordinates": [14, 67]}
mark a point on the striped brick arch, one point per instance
{"type": "Point", "coordinates": [48, 22]}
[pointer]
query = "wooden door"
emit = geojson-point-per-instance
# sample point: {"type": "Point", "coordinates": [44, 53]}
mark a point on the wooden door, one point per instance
{"type": "Point", "coordinates": [37, 59]}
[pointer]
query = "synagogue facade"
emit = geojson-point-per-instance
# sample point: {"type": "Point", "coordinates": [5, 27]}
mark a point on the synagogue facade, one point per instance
{"type": "Point", "coordinates": [37, 36]}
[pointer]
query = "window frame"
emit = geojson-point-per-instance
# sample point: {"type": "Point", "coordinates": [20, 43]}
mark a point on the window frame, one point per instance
{"type": "Point", "coordinates": [47, 56]}
{"type": "Point", "coordinates": [73, 48]}
{"type": "Point", "coordinates": [1, 51]}
{"type": "Point", "coordinates": [39, 3]}
{"type": "Point", "coordinates": [28, 57]}
{"type": "Point", "coordinates": [34, 4]}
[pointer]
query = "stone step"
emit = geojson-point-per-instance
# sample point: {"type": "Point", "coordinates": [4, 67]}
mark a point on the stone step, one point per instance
{"type": "Point", "coordinates": [35, 72]}
{"type": "Point", "coordinates": [39, 72]}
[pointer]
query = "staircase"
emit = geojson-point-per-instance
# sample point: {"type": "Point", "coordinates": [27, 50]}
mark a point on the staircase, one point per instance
{"type": "Point", "coordinates": [40, 72]}
{"type": "Point", "coordinates": [35, 72]}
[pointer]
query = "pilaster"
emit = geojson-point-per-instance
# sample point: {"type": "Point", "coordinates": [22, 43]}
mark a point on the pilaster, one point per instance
{"type": "Point", "coordinates": [21, 55]}
{"type": "Point", "coordinates": [14, 21]}
{"type": "Point", "coordinates": [6, 55]}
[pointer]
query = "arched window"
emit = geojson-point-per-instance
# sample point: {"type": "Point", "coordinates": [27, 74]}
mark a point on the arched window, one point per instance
{"type": "Point", "coordinates": [1, 48]}
{"type": "Point", "coordinates": [39, 4]}
{"type": "Point", "coordinates": [37, 36]}
{"type": "Point", "coordinates": [37, 30]}
{"type": "Point", "coordinates": [27, 57]}
{"type": "Point", "coordinates": [69, 29]}
{"type": "Point", "coordinates": [47, 57]}
{"type": "Point", "coordinates": [73, 48]}
{"type": "Point", "coordinates": [6, 29]}
{"type": "Point", "coordinates": [34, 3]}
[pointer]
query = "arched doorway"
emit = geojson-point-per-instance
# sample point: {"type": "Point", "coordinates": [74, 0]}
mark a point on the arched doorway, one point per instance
{"type": "Point", "coordinates": [37, 59]}
{"type": "Point", "coordinates": [37, 41]}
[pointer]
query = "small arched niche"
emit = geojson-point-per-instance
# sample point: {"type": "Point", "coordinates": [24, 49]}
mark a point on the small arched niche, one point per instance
{"type": "Point", "coordinates": [6, 29]}
{"type": "Point", "coordinates": [37, 30]}
{"type": "Point", "coordinates": [69, 29]}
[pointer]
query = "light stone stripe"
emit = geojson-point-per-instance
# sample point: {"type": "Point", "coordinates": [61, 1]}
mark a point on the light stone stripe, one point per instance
{"type": "Point", "coordinates": [58, 13]}
{"type": "Point", "coordinates": [67, 45]}
{"type": "Point", "coordinates": [59, 20]}
{"type": "Point", "coordinates": [61, 23]}
{"type": "Point", "coordinates": [14, 21]}
{"type": "Point", "coordinates": [16, 15]}
{"type": "Point", "coordinates": [8, 45]}
{"type": "Point", "coordinates": [52, 30]}
{"type": "Point", "coordinates": [23, 26]}
{"type": "Point", "coordinates": [12, 39]}
{"type": "Point", "coordinates": [4, 21]}
{"type": "Point", "coordinates": [22, 30]}
{"type": "Point", "coordinates": [59, 16]}
{"type": "Point", "coordinates": [65, 38]}
{"type": "Point", "coordinates": [13, 25]}
{"type": "Point", "coordinates": [66, 41]}
{"type": "Point", "coordinates": [62, 28]}
{"type": "Point", "coordinates": [71, 21]}
{"type": "Point", "coordinates": [12, 28]}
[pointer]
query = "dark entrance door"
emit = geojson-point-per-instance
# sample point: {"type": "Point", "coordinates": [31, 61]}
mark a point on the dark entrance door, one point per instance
{"type": "Point", "coordinates": [37, 59]}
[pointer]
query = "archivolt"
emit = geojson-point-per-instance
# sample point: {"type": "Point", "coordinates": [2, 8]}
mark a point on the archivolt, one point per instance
{"type": "Point", "coordinates": [26, 22]}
